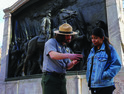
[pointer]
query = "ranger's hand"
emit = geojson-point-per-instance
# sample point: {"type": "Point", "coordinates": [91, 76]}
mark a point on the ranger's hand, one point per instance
{"type": "Point", "coordinates": [75, 56]}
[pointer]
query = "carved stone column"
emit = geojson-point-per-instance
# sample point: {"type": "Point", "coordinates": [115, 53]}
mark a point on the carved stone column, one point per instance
{"type": "Point", "coordinates": [116, 36]}
{"type": "Point", "coordinates": [115, 21]}
{"type": "Point", "coordinates": [5, 47]}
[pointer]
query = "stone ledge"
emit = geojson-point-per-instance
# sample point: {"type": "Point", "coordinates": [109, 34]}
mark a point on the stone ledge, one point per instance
{"type": "Point", "coordinates": [40, 75]}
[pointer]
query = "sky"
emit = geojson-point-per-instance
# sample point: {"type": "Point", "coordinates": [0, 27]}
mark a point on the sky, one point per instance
{"type": "Point", "coordinates": [4, 4]}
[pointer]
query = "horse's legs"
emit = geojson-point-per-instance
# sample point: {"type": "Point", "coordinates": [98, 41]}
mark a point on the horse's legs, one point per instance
{"type": "Point", "coordinates": [23, 69]}
{"type": "Point", "coordinates": [40, 60]}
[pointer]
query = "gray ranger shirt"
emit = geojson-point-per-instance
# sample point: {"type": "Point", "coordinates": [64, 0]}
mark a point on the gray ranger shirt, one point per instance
{"type": "Point", "coordinates": [51, 65]}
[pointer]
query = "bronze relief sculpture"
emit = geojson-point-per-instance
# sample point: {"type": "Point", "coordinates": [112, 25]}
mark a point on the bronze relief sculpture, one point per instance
{"type": "Point", "coordinates": [32, 27]}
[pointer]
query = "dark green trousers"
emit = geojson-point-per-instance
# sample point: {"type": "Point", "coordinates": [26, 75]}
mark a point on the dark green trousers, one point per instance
{"type": "Point", "coordinates": [53, 84]}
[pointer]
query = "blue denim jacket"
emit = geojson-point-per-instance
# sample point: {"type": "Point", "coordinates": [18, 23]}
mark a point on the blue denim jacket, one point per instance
{"type": "Point", "coordinates": [102, 76]}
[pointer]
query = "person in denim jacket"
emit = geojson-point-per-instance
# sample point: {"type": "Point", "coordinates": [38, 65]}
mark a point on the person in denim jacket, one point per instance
{"type": "Point", "coordinates": [103, 63]}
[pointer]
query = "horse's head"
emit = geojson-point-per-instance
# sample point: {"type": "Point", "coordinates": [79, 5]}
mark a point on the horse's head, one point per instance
{"type": "Point", "coordinates": [65, 15]}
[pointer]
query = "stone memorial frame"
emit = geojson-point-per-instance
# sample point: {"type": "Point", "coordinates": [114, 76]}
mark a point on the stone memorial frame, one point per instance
{"type": "Point", "coordinates": [115, 22]}
{"type": "Point", "coordinates": [34, 22]}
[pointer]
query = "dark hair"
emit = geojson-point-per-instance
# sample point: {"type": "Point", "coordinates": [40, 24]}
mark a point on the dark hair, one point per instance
{"type": "Point", "coordinates": [60, 38]}
{"type": "Point", "coordinates": [100, 33]}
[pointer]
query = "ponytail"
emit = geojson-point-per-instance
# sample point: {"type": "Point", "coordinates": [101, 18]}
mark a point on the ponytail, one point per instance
{"type": "Point", "coordinates": [107, 48]}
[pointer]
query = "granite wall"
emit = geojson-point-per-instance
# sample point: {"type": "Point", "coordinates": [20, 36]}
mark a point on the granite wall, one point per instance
{"type": "Point", "coordinates": [76, 84]}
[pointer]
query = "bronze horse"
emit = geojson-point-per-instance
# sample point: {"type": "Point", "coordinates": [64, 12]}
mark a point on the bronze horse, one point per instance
{"type": "Point", "coordinates": [36, 44]}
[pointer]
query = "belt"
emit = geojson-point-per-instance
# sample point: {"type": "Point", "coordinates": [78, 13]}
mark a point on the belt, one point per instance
{"type": "Point", "coordinates": [55, 74]}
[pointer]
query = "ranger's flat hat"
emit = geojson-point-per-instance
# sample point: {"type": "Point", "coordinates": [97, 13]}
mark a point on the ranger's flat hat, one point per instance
{"type": "Point", "coordinates": [65, 29]}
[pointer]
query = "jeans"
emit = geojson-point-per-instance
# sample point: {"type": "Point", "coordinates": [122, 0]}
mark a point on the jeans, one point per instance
{"type": "Point", "coordinates": [104, 90]}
